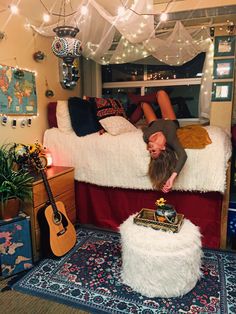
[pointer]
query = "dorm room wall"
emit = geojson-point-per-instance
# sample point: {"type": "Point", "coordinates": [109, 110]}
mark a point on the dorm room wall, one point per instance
{"type": "Point", "coordinates": [17, 48]}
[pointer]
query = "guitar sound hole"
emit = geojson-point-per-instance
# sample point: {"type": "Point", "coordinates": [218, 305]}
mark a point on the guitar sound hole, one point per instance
{"type": "Point", "coordinates": [57, 218]}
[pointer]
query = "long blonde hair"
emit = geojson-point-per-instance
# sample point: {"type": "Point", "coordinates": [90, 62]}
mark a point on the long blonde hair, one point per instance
{"type": "Point", "coordinates": [161, 168]}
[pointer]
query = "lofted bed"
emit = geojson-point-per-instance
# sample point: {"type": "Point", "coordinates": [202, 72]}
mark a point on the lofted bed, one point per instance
{"type": "Point", "coordinates": [111, 170]}
{"type": "Point", "coordinates": [111, 181]}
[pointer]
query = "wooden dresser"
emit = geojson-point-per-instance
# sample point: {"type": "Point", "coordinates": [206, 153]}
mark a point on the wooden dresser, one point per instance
{"type": "Point", "coordinates": [61, 181]}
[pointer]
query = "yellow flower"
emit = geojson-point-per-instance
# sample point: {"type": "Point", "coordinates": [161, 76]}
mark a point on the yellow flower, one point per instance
{"type": "Point", "coordinates": [35, 147]}
{"type": "Point", "coordinates": [160, 202]}
{"type": "Point", "coordinates": [32, 148]}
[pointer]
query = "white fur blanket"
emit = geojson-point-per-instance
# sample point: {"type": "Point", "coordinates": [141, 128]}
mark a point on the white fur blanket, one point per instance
{"type": "Point", "coordinates": [122, 160]}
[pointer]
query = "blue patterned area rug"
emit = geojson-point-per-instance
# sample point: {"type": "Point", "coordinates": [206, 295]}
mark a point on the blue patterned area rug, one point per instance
{"type": "Point", "coordinates": [88, 278]}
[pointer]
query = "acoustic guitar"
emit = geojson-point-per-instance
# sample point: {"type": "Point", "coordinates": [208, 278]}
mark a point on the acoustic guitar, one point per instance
{"type": "Point", "coordinates": [55, 226]}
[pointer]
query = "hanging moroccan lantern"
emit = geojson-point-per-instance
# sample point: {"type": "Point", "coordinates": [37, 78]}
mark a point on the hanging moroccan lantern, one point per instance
{"type": "Point", "coordinates": [65, 45]}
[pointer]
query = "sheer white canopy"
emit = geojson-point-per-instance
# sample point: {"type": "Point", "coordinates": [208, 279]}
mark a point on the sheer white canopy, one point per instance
{"type": "Point", "coordinates": [131, 35]}
{"type": "Point", "coordinates": [134, 34]}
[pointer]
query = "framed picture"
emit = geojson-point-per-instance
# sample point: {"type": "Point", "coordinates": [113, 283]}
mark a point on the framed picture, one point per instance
{"type": "Point", "coordinates": [17, 91]}
{"type": "Point", "coordinates": [224, 46]}
{"type": "Point", "coordinates": [223, 68]}
{"type": "Point", "coordinates": [222, 91]}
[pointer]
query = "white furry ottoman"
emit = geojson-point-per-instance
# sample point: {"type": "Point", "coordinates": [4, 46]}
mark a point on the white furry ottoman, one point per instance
{"type": "Point", "coordinates": [160, 264]}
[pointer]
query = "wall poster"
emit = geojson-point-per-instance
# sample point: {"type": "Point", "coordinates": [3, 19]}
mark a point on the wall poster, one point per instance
{"type": "Point", "coordinates": [17, 91]}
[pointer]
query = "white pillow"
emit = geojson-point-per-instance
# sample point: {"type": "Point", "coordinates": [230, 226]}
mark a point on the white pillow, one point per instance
{"type": "Point", "coordinates": [116, 125]}
{"type": "Point", "coordinates": [63, 116]}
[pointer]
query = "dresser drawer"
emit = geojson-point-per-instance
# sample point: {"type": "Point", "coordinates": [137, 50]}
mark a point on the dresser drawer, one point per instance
{"type": "Point", "coordinates": [58, 185]}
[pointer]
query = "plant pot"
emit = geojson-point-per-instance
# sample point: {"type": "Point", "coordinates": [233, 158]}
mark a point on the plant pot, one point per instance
{"type": "Point", "coordinates": [10, 209]}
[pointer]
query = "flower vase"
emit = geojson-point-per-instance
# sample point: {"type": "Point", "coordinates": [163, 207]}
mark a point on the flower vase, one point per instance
{"type": "Point", "coordinates": [166, 213]}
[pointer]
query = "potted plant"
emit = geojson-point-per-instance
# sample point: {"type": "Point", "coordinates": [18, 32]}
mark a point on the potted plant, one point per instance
{"type": "Point", "coordinates": [15, 184]}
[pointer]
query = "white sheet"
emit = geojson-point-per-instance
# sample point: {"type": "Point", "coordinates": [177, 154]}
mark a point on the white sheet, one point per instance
{"type": "Point", "coordinates": [122, 160]}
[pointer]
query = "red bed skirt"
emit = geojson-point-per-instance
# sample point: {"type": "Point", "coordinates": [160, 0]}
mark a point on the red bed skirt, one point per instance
{"type": "Point", "coordinates": [108, 207]}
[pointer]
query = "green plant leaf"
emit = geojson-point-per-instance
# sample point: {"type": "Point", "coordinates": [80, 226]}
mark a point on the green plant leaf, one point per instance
{"type": "Point", "coordinates": [13, 183]}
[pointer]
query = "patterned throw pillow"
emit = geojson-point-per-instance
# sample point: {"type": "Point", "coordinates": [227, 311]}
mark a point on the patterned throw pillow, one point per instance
{"type": "Point", "coordinates": [107, 107]}
{"type": "Point", "coordinates": [117, 125]}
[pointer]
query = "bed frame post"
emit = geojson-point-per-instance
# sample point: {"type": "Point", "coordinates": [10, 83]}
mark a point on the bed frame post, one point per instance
{"type": "Point", "coordinates": [224, 210]}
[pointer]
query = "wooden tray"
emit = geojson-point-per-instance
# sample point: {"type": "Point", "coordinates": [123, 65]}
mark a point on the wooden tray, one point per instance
{"type": "Point", "coordinates": [146, 217]}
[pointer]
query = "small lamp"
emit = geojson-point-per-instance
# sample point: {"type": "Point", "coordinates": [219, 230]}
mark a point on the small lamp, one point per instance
{"type": "Point", "coordinates": [47, 154]}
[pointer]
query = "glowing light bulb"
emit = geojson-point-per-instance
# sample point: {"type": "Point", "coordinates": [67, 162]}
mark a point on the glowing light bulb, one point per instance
{"type": "Point", "coordinates": [163, 17]}
{"type": "Point", "coordinates": [121, 11]}
{"type": "Point", "coordinates": [14, 9]}
{"type": "Point", "coordinates": [46, 17]}
{"type": "Point", "coordinates": [27, 26]}
{"type": "Point", "coordinates": [84, 10]}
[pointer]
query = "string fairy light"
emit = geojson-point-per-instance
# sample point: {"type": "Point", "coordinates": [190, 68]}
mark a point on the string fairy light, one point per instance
{"type": "Point", "coordinates": [46, 17]}
{"type": "Point", "coordinates": [84, 10]}
{"type": "Point", "coordinates": [163, 13]}
{"type": "Point", "coordinates": [163, 17]}
{"type": "Point", "coordinates": [14, 9]}
{"type": "Point", "coordinates": [64, 15]}
{"type": "Point", "coordinates": [133, 36]}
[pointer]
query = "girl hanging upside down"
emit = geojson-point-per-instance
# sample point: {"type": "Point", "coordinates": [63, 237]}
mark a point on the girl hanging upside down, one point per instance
{"type": "Point", "coordinates": [167, 155]}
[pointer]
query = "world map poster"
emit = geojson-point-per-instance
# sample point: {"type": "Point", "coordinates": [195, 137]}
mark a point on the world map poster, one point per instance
{"type": "Point", "coordinates": [17, 91]}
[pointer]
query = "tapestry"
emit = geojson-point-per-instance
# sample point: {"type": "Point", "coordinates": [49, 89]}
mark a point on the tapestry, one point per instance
{"type": "Point", "coordinates": [17, 91]}
{"type": "Point", "coordinates": [88, 278]}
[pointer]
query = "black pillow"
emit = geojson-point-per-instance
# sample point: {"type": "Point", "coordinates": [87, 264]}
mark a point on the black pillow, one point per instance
{"type": "Point", "coordinates": [83, 116]}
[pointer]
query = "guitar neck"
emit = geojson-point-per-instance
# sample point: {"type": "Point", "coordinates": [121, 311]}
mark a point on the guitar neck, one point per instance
{"type": "Point", "coordinates": [34, 157]}
{"type": "Point", "coordinates": [48, 189]}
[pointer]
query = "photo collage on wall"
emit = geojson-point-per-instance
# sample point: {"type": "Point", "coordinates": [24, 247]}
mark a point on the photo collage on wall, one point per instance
{"type": "Point", "coordinates": [223, 71]}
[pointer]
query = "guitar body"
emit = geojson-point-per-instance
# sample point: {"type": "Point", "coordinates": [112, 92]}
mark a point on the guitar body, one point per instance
{"type": "Point", "coordinates": [58, 234]}
{"type": "Point", "coordinates": [62, 234]}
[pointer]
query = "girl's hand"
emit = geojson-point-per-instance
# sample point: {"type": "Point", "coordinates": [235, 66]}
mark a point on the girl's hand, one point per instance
{"type": "Point", "coordinates": [169, 183]}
